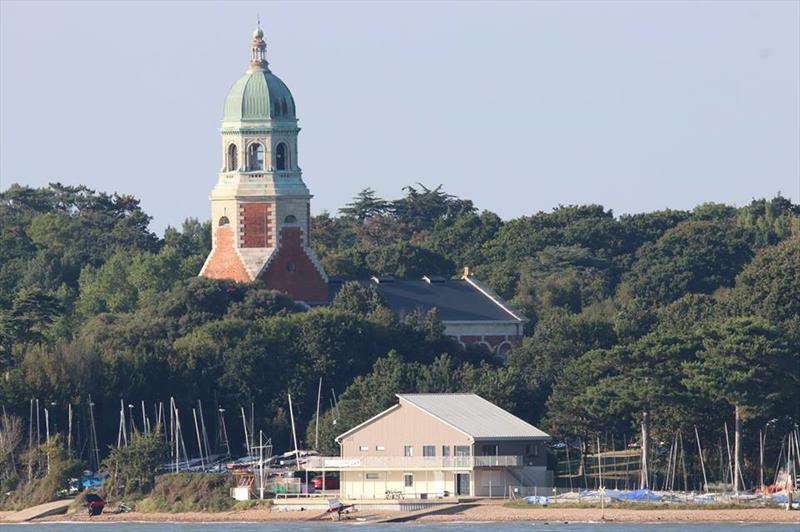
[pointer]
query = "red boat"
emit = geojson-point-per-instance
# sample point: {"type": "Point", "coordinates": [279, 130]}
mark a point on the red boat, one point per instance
{"type": "Point", "coordinates": [95, 504]}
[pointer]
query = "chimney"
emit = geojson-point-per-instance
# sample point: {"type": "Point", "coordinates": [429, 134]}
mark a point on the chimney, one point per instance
{"type": "Point", "coordinates": [466, 271]}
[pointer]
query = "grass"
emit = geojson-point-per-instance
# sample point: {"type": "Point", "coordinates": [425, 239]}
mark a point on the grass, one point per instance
{"type": "Point", "coordinates": [187, 492]}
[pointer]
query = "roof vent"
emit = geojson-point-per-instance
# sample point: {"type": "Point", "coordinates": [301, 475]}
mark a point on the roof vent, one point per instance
{"type": "Point", "coordinates": [433, 279]}
{"type": "Point", "coordinates": [382, 279]}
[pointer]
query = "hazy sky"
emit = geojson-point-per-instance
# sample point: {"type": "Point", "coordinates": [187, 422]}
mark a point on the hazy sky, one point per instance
{"type": "Point", "coordinates": [518, 106]}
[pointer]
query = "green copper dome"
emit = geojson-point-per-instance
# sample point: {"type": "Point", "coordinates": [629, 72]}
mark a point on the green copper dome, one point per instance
{"type": "Point", "coordinates": [257, 96]}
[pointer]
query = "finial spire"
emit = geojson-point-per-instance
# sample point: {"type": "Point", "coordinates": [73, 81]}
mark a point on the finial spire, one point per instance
{"type": "Point", "coordinates": [258, 60]}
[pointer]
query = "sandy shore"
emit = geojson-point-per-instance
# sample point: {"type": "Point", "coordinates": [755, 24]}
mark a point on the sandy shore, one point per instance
{"type": "Point", "coordinates": [551, 514]}
{"type": "Point", "coordinates": [477, 512]}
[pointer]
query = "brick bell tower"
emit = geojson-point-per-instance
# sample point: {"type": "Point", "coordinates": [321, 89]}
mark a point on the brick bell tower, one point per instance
{"type": "Point", "coordinates": [260, 206]}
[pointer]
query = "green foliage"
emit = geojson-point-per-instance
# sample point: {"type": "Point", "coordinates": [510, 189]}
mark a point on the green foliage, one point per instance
{"type": "Point", "coordinates": [608, 389]}
{"type": "Point", "coordinates": [358, 299]}
{"type": "Point", "coordinates": [51, 469]}
{"type": "Point", "coordinates": [133, 468]}
{"type": "Point", "coordinates": [770, 285]}
{"type": "Point", "coordinates": [745, 362]}
{"type": "Point", "coordinates": [674, 312]}
{"type": "Point", "coordinates": [694, 257]}
{"type": "Point", "coordinates": [559, 338]}
{"type": "Point", "coordinates": [365, 205]}
{"type": "Point", "coordinates": [189, 492]}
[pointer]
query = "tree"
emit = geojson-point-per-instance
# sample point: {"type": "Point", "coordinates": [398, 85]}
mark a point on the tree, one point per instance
{"type": "Point", "coordinates": [365, 205]}
{"type": "Point", "coordinates": [771, 220]}
{"type": "Point", "coordinates": [358, 299]}
{"type": "Point", "coordinates": [462, 241]}
{"type": "Point", "coordinates": [696, 257]}
{"type": "Point", "coordinates": [622, 388]}
{"type": "Point", "coordinates": [109, 288]}
{"type": "Point", "coordinates": [770, 285]}
{"type": "Point", "coordinates": [134, 467]}
{"type": "Point", "coordinates": [10, 440]}
{"type": "Point", "coordinates": [366, 397]}
{"type": "Point", "coordinates": [687, 313]}
{"type": "Point", "coordinates": [422, 208]}
{"type": "Point", "coordinates": [558, 339]}
{"type": "Point", "coordinates": [744, 362]}
{"type": "Point", "coordinates": [33, 312]}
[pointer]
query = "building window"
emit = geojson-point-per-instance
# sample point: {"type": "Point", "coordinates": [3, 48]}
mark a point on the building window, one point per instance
{"type": "Point", "coordinates": [233, 158]}
{"type": "Point", "coordinates": [408, 480]}
{"type": "Point", "coordinates": [428, 450]}
{"type": "Point", "coordinates": [363, 448]}
{"type": "Point", "coordinates": [281, 157]}
{"type": "Point", "coordinates": [408, 450]}
{"type": "Point", "coordinates": [461, 450]}
{"type": "Point", "coordinates": [380, 448]}
{"type": "Point", "coordinates": [223, 221]}
{"type": "Point", "coordinates": [291, 219]}
{"type": "Point", "coordinates": [373, 476]}
{"type": "Point", "coordinates": [255, 157]}
{"type": "Point", "coordinates": [445, 451]}
{"type": "Point", "coordinates": [535, 450]}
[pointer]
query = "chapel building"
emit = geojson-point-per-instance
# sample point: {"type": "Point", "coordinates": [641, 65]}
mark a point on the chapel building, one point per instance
{"type": "Point", "coordinates": [260, 206]}
{"type": "Point", "coordinates": [260, 218]}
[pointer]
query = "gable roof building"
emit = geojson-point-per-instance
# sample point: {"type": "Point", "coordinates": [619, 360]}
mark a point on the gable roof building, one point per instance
{"type": "Point", "coordinates": [470, 311]}
{"type": "Point", "coordinates": [439, 445]}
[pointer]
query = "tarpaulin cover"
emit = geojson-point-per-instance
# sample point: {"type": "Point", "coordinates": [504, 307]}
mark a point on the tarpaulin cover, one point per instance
{"type": "Point", "coordinates": [617, 495]}
{"type": "Point", "coordinates": [537, 499]}
{"type": "Point", "coordinates": [639, 495]}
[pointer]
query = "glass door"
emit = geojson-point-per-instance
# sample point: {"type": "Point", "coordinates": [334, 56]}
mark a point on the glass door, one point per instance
{"type": "Point", "coordinates": [462, 483]}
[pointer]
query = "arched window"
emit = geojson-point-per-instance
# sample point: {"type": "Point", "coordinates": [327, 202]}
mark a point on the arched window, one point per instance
{"type": "Point", "coordinates": [233, 158]}
{"type": "Point", "coordinates": [282, 157]}
{"type": "Point", "coordinates": [223, 221]}
{"type": "Point", "coordinates": [255, 157]}
{"type": "Point", "coordinates": [291, 219]}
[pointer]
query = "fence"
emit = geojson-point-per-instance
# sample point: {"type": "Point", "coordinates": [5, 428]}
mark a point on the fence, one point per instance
{"type": "Point", "coordinates": [315, 463]}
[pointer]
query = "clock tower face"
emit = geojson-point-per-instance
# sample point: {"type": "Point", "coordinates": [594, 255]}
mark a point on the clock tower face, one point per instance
{"type": "Point", "coordinates": [260, 206]}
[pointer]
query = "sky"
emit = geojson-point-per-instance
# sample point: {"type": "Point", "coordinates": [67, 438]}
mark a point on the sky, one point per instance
{"type": "Point", "coordinates": [519, 106]}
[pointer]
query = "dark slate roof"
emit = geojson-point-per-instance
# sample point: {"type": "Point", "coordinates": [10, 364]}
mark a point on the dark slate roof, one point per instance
{"type": "Point", "coordinates": [454, 299]}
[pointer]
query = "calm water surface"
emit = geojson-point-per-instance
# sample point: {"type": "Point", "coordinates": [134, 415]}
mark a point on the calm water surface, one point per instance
{"type": "Point", "coordinates": [402, 527]}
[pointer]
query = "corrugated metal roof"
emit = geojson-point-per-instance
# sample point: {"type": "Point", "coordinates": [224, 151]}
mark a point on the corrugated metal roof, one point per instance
{"type": "Point", "coordinates": [473, 415]}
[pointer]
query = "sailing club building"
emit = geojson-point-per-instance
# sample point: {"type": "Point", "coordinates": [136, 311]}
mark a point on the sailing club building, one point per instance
{"type": "Point", "coordinates": [438, 445]}
{"type": "Point", "coordinates": [260, 216]}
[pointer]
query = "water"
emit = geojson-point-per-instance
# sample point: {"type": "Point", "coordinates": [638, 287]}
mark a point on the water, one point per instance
{"type": "Point", "coordinates": [402, 527]}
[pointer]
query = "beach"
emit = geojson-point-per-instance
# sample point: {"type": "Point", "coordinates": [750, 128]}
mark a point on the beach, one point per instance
{"type": "Point", "coordinates": [491, 512]}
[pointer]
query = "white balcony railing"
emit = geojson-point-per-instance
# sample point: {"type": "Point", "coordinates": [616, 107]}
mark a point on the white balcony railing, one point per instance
{"type": "Point", "coordinates": [410, 462]}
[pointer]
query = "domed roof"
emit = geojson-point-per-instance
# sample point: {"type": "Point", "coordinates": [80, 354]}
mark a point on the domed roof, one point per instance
{"type": "Point", "coordinates": [259, 95]}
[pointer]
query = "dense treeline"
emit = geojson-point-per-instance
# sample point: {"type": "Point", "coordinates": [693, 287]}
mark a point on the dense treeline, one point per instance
{"type": "Point", "coordinates": [683, 316]}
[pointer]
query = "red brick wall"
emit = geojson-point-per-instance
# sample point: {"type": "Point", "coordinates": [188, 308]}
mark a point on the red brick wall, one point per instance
{"type": "Point", "coordinates": [223, 262]}
{"type": "Point", "coordinates": [255, 225]}
{"type": "Point", "coordinates": [498, 344]}
{"type": "Point", "coordinates": [494, 341]}
{"type": "Point", "coordinates": [302, 281]}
